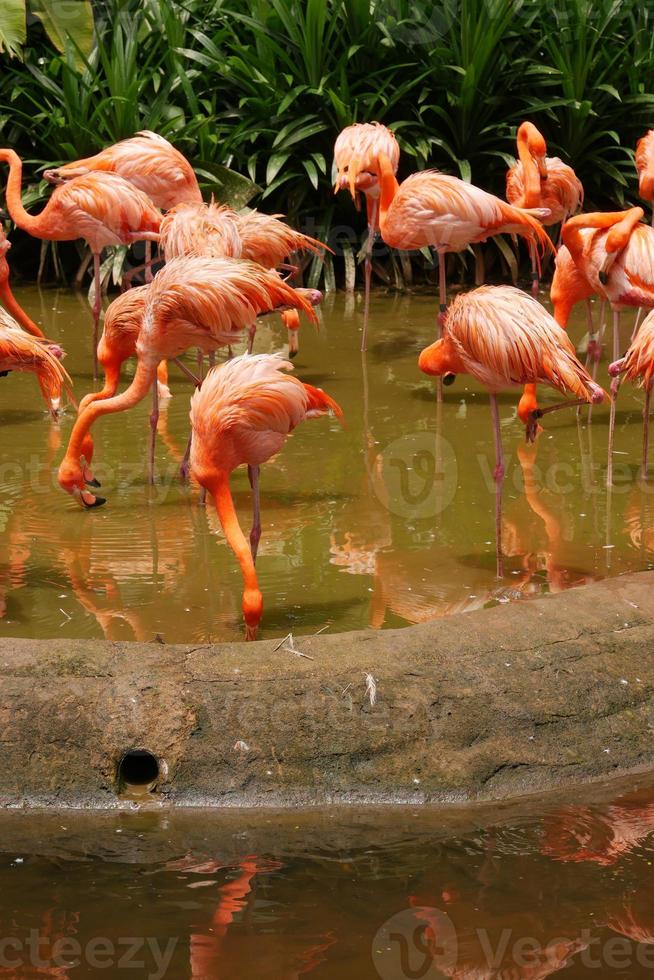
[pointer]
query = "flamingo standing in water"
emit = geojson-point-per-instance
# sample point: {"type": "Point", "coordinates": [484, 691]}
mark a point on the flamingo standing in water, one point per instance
{"type": "Point", "coordinates": [539, 181]}
{"type": "Point", "coordinates": [192, 302]}
{"type": "Point", "coordinates": [102, 208]}
{"type": "Point", "coordinates": [219, 231]}
{"type": "Point", "coordinates": [356, 159]}
{"type": "Point", "coordinates": [448, 214]}
{"type": "Point", "coordinates": [638, 365]}
{"type": "Point", "coordinates": [243, 414]}
{"type": "Point", "coordinates": [148, 161]}
{"type": "Point", "coordinates": [505, 338]}
{"type": "Point", "coordinates": [645, 168]}
{"type": "Point", "coordinates": [19, 351]}
{"type": "Point", "coordinates": [614, 252]}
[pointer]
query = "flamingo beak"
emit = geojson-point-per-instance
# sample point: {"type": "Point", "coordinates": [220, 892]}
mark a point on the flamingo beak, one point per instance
{"type": "Point", "coordinates": [86, 499]}
{"type": "Point", "coordinates": [542, 168]}
{"type": "Point", "coordinates": [449, 378]}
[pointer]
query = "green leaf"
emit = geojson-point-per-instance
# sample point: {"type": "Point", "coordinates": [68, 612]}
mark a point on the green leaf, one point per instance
{"type": "Point", "coordinates": [226, 185]}
{"type": "Point", "coordinates": [67, 21]}
{"type": "Point", "coordinates": [13, 29]}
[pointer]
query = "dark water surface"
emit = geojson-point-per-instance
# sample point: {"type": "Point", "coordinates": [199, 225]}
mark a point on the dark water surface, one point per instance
{"type": "Point", "coordinates": [510, 891]}
{"type": "Point", "coordinates": [360, 528]}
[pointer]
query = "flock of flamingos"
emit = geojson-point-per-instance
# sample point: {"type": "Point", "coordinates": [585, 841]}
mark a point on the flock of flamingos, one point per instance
{"type": "Point", "coordinates": [223, 269]}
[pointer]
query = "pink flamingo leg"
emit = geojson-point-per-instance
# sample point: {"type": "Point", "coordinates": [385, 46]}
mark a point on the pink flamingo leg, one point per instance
{"type": "Point", "coordinates": [442, 309]}
{"type": "Point", "coordinates": [154, 418]}
{"type": "Point", "coordinates": [185, 465]}
{"type": "Point", "coordinates": [648, 394]}
{"type": "Point", "coordinates": [148, 261]}
{"type": "Point", "coordinates": [97, 307]}
{"type": "Point", "coordinates": [367, 272]}
{"type": "Point", "coordinates": [535, 283]}
{"type": "Point", "coordinates": [255, 533]}
{"type": "Point", "coordinates": [499, 480]}
{"type": "Point", "coordinates": [615, 384]}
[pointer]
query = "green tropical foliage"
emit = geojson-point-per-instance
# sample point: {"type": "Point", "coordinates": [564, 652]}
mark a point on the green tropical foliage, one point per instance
{"type": "Point", "coordinates": [64, 21]}
{"type": "Point", "coordinates": [262, 88]}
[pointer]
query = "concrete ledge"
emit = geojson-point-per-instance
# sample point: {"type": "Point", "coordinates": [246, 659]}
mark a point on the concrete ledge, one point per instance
{"type": "Point", "coordinates": [487, 705]}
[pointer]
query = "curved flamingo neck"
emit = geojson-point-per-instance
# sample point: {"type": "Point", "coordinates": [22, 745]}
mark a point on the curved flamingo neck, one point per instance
{"type": "Point", "coordinates": [388, 188]}
{"type": "Point", "coordinates": [21, 217]}
{"type": "Point", "coordinates": [217, 483]}
{"type": "Point", "coordinates": [531, 177]}
{"type": "Point", "coordinates": [13, 307]}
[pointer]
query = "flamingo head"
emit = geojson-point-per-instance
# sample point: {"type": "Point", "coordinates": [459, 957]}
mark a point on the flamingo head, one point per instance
{"type": "Point", "coordinates": [75, 476]}
{"type": "Point", "coordinates": [252, 611]}
{"type": "Point", "coordinates": [53, 177]}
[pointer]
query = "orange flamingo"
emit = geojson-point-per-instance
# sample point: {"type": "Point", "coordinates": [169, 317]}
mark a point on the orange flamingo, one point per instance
{"type": "Point", "coordinates": [356, 158]}
{"type": "Point", "coordinates": [614, 251]}
{"type": "Point", "coordinates": [539, 181]}
{"type": "Point", "coordinates": [645, 168]}
{"type": "Point", "coordinates": [102, 208]}
{"type": "Point", "coordinates": [638, 365]}
{"type": "Point", "coordinates": [243, 414]}
{"type": "Point", "coordinates": [219, 231]}
{"type": "Point", "coordinates": [192, 302]}
{"type": "Point", "coordinates": [146, 160]}
{"type": "Point", "coordinates": [19, 351]}
{"type": "Point", "coordinates": [441, 211]}
{"type": "Point", "coordinates": [7, 298]}
{"type": "Point", "coordinates": [504, 338]}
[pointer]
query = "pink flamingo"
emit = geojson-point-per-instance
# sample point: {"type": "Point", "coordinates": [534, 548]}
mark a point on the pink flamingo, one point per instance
{"type": "Point", "coordinates": [192, 302]}
{"type": "Point", "coordinates": [356, 158]}
{"type": "Point", "coordinates": [7, 298]}
{"type": "Point", "coordinates": [505, 338]}
{"type": "Point", "coordinates": [102, 208]}
{"type": "Point", "coordinates": [219, 231]}
{"type": "Point", "coordinates": [243, 414]}
{"type": "Point", "coordinates": [645, 168]}
{"type": "Point", "coordinates": [614, 252]}
{"type": "Point", "coordinates": [539, 181]}
{"type": "Point", "coordinates": [19, 351]}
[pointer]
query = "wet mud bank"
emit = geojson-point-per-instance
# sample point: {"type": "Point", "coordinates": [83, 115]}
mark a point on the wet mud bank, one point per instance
{"type": "Point", "coordinates": [488, 705]}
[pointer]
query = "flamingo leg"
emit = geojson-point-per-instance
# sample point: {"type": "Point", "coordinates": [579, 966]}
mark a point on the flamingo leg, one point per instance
{"type": "Point", "coordinates": [597, 352]}
{"type": "Point", "coordinates": [255, 533]}
{"type": "Point", "coordinates": [535, 283]}
{"type": "Point", "coordinates": [442, 309]}
{"type": "Point", "coordinates": [367, 272]}
{"type": "Point", "coordinates": [189, 374]}
{"type": "Point", "coordinates": [184, 466]}
{"type": "Point", "coordinates": [591, 339]}
{"type": "Point", "coordinates": [154, 418]}
{"type": "Point", "coordinates": [499, 480]}
{"type": "Point", "coordinates": [615, 384]}
{"type": "Point", "coordinates": [252, 331]}
{"type": "Point", "coordinates": [648, 394]}
{"type": "Point", "coordinates": [97, 307]}
{"type": "Point", "coordinates": [148, 261]}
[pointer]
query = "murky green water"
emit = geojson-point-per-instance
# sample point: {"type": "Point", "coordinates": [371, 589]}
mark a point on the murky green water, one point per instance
{"type": "Point", "coordinates": [361, 528]}
{"type": "Point", "coordinates": [508, 892]}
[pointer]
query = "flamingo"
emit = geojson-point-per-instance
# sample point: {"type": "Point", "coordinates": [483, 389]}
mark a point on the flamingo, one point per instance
{"type": "Point", "coordinates": [645, 168]}
{"type": "Point", "coordinates": [7, 298]}
{"type": "Point", "coordinates": [356, 159]}
{"type": "Point", "coordinates": [148, 161]}
{"type": "Point", "coordinates": [638, 365]}
{"type": "Point", "coordinates": [19, 351]}
{"type": "Point", "coordinates": [102, 208]}
{"type": "Point", "coordinates": [242, 414]}
{"type": "Point", "coordinates": [614, 251]}
{"type": "Point", "coordinates": [192, 302]}
{"type": "Point", "coordinates": [435, 209]}
{"type": "Point", "coordinates": [219, 231]}
{"type": "Point", "coordinates": [539, 181]}
{"type": "Point", "coordinates": [505, 338]}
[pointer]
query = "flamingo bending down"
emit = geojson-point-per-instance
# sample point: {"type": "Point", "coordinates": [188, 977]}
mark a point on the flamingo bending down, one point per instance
{"type": "Point", "coordinates": [148, 161]}
{"type": "Point", "coordinates": [539, 181]}
{"type": "Point", "coordinates": [356, 159]}
{"type": "Point", "coordinates": [243, 414]}
{"type": "Point", "coordinates": [638, 365]}
{"type": "Point", "coordinates": [614, 251]}
{"type": "Point", "coordinates": [645, 168]}
{"type": "Point", "coordinates": [441, 211]}
{"type": "Point", "coordinates": [505, 338]}
{"type": "Point", "coordinates": [19, 351]}
{"type": "Point", "coordinates": [102, 208]}
{"type": "Point", "coordinates": [219, 231]}
{"type": "Point", "coordinates": [192, 302]}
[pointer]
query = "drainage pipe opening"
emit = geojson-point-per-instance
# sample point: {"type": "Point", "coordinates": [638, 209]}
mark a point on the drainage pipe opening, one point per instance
{"type": "Point", "coordinates": [137, 768]}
